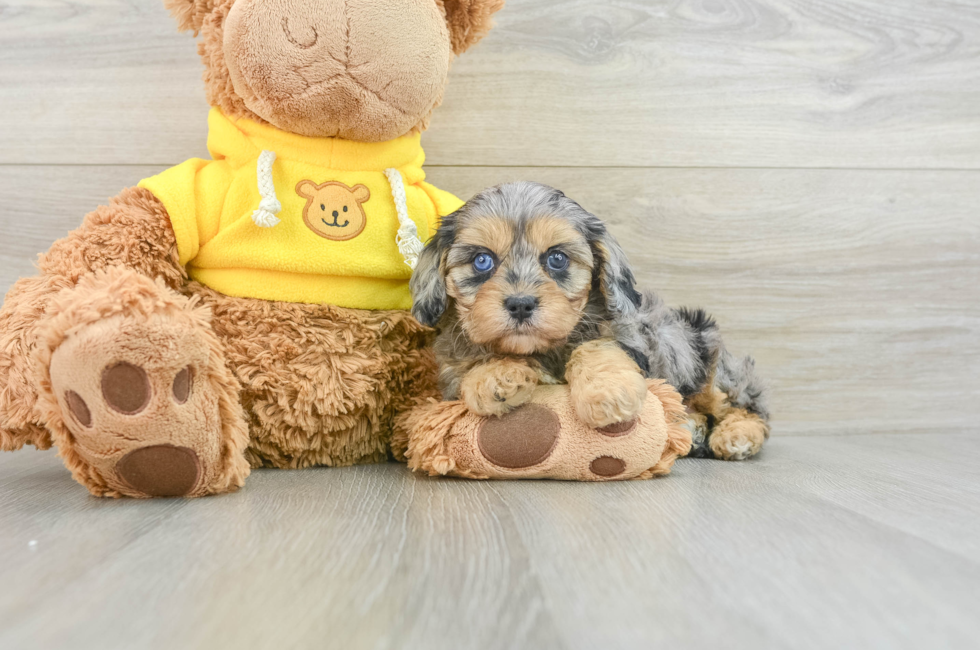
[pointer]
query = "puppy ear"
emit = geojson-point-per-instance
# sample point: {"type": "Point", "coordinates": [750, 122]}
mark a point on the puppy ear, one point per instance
{"type": "Point", "coordinates": [613, 274]}
{"type": "Point", "coordinates": [190, 14]}
{"type": "Point", "coordinates": [428, 284]}
{"type": "Point", "coordinates": [469, 21]}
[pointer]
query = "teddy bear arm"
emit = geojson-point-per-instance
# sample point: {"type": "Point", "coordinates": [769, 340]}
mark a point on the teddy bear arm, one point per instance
{"type": "Point", "coordinates": [132, 231]}
{"type": "Point", "coordinates": [18, 425]}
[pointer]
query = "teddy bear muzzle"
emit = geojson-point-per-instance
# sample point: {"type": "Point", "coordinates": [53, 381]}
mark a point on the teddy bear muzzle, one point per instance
{"type": "Point", "coordinates": [355, 69]}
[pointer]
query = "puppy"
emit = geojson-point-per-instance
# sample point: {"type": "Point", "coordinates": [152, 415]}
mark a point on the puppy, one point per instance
{"type": "Point", "coordinates": [524, 287]}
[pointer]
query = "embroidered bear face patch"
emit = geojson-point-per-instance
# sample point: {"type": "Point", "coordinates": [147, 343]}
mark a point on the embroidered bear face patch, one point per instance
{"type": "Point", "coordinates": [334, 210]}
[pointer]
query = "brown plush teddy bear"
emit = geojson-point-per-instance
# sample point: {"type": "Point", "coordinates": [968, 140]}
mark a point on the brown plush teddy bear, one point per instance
{"type": "Point", "coordinates": [250, 310]}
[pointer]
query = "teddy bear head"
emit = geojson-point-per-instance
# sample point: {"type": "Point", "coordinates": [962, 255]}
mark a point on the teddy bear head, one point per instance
{"type": "Point", "coordinates": [364, 70]}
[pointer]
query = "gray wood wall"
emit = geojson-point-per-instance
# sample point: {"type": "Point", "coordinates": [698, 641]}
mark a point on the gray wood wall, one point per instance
{"type": "Point", "coordinates": [809, 170]}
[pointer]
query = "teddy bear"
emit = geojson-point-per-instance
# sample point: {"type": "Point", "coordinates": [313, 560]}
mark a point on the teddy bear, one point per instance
{"type": "Point", "coordinates": [545, 439]}
{"type": "Point", "coordinates": [250, 310]}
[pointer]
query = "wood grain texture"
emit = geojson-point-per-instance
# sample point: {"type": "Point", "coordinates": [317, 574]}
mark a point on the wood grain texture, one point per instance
{"type": "Point", "coordinates": [808, 171]}
{"type": "Point", "coordinates": [772, 83]}
{"type": "Point", "coordinates": [788, 550]}
{"type": "Point", "coordinates": [858, 292]}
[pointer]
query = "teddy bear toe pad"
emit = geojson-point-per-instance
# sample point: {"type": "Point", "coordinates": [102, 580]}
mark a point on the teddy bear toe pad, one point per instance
{"type": "Point", "coordinates": [126, 388]}
{"type": "Point", "coordinates": [607, 466]}
{"type": "Point", "coordinates": [140, 414]}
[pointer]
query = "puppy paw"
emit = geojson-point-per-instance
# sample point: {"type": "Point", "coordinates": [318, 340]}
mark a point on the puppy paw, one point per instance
{"type": "Point", "coordinates": [697, 425]}
{"type": "Point", "coordinates": [610, 398]}
{"type": "Point", "coordinates": [498, 387]}
{"type": "Point", "coordinates": [607, 386]}
{"type": "Point", "coordinates": [738, 436]}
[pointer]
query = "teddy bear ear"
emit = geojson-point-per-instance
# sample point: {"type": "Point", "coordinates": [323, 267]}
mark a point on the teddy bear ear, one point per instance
{"type": "Point", "coordinates": [469, 21]}
{"type": "Point", "coordinates": [190, 14]}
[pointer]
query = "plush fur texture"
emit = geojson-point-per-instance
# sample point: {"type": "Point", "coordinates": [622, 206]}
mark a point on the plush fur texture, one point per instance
{"type": "Point", "coordinates": [582, 322]}
{"type": "Point", "coordinates": [232, 382]}
{"type": "Point", "coordinates": [119, 315]}
{"type": "Point", "coordinates": [322, 384]}
{"type": "Point", "coordinates": [469, 20]}
{"type": "Point", "coordinates": [356, 69]}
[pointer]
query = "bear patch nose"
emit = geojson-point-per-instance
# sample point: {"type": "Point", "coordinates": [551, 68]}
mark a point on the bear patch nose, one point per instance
{"type": "Point", "coordinates": [161, 470]}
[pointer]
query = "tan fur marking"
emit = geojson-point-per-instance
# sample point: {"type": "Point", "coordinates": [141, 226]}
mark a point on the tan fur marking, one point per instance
{"type": "Point", "coordinates": [548, 231]}
{"type": "Point", "coordinates": [710, 401]}
{"type": "Point", "coordinates": [487, 322]}
{"type": "Point", "coordinates": [492, 233]}
{"type": "Point", "coordinates": [498, 386]}
{"type": "Point", "coordinates": [606, 384]}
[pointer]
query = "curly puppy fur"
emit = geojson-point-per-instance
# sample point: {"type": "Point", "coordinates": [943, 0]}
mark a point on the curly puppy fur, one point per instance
{"type": "Point", "coordinates": [523, 273]}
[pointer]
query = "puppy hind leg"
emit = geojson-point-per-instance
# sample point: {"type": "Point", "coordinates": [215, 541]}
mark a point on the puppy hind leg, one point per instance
{"type": "Point", "coordinates": [744, 427]}
{"type": "Point", "coordinates": [722, 429]}
{"type": "Point", "coordinates": [739, 435]}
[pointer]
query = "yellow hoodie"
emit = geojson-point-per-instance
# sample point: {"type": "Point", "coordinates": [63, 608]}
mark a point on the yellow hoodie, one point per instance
{"type": "Point", "coordinates": [317, 222]}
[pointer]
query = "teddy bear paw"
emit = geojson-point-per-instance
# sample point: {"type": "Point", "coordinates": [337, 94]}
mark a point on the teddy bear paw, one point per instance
{"type": "Point", "coordinates": [143, 414]}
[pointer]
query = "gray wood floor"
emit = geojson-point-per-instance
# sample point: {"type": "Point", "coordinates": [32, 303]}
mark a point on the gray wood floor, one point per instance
{"type": "Point", "coordinates": [864, 541]}
{"type": "Point", "coordinates": [807, 170]}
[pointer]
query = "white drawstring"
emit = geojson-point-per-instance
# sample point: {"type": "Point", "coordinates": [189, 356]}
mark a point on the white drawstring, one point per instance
{"type": "Point", "coordinates": [409, 244]}
{"type": "Point", "coordinates": [269, 207]}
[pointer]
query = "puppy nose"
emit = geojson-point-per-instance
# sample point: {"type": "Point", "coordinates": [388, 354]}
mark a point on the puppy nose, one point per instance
{"type": "Point", "coordinates": [521, 307]}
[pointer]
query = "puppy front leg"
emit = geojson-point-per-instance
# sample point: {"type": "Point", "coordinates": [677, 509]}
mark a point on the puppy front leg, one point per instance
{"type": "Point", "coordinates": [498, 386]}
{"type": "Point", "coordinates": [607, 386]}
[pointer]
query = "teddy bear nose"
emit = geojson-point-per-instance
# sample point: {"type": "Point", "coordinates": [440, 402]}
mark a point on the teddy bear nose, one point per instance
{"type": "Point", "coordinates": [336, 214]}
{"type": "Point", "coordinates": [521, 307]}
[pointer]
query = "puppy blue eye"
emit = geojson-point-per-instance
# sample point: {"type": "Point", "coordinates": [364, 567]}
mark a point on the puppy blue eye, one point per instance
{"type": "Point", "coordinates": [557, 261]}
{"type": "Point", "coordinates": [483, 263]}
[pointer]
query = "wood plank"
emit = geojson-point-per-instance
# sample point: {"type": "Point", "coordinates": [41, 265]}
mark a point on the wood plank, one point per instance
{"type": "Point", "coordinates": [763, 83]}
{"type": "Point", "coordinates": [757, 554]}
{"type": "Point", "coordinates": [926, 486]}
{"type": "Point", "coordinates": [717, 554]}
{"type": "Point", "coordinates": [857, 292]}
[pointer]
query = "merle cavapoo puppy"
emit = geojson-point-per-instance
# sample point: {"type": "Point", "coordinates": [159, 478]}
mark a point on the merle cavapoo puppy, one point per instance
{"type": "Point", "coordinates": [525, 287]}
